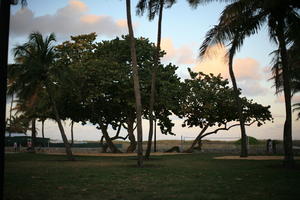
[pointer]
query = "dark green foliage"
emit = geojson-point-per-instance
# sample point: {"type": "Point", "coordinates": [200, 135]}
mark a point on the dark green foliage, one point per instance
{"type": "Point", "coordinates": [209, 101]}
{"type": "Point", "coordinates": [251, 141]}
{"type": "Point", "coordinates": [101, 86]}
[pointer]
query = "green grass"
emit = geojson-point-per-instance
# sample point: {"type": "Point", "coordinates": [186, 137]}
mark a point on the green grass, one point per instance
{"type": "Point", "coordinates": [197, 176]}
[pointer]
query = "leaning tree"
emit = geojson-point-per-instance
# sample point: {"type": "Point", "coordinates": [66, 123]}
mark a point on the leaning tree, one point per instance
{"type": "Point", "coordinates": [209, 102]}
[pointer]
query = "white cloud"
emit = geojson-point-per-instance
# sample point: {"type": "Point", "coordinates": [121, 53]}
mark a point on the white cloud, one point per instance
{"type": "Point", "coordinates": [73, 19]}
{"type": "Point", "coordinates": [252, 88]}
{"type": "Point", "coordinates": [181, 55]}
{"type": "Point", "coordinates": [295, 99]}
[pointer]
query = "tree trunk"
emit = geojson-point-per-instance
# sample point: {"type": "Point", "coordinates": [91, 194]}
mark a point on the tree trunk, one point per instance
{"type": "Point", "coordinates": [108, 140]}
{"type": "Point", "coordinates": [72, 136]}
{"type": "Point", "coordinates": [155, 135]}
{"type": "Point", "coordinates": [199, 144]}
{"type": "Point", "coordinates": [287, 132]}
{"type": "Point", "coordinates": [4, 37]}
{"type": "Point", "coordinates": [191, 149]}
{"type": "Point", "coordinates": [244, 150]}
{"type": "Point", "coordinates": [60, 126]}
{"type": "Point", "coordinates": [153, 79]}
{"type": "Point", "coordinates": [43, 128]}
{"type": "Point", "coordinates": [136, 83]}
{"type": "Point", "coordinates": [131, 137]}
{"type": "Point", "coordinates": [33, 135]}
{"type": "Point", "coordinates": [10, 113]}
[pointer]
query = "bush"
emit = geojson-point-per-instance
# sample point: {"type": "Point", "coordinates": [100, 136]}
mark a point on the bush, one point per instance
{"type": "Point", "coordinates": [252, 140]}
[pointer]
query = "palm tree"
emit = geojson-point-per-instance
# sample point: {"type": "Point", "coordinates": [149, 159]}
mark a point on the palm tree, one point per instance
{"type": "Point", "coordinates": [294, 61]}
{"type": "Point", "coordinates": [27, 108]}
{"type": "Point", "coordinates": [136, 84]}
{"type": "Point", "coordinates": [243, 18]}
{"type": "Point", "coordinates": [36, 57]}
{"type": "Point", "coordinates": [19, 124]}
{"type": "Point", "coordinates": [10, 92]}
{"type": "Point", "coordinates": [154, 7]}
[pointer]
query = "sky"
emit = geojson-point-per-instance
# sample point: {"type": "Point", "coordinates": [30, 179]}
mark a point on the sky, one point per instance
{"type": "Point", "coordinates": [183, 31]}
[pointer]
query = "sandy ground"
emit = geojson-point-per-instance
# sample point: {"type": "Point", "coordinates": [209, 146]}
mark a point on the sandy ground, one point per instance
{"type": "Point", "coordinates": [116, 154]}
{"type": "Point", "coordinates": [253, 158]}
{"type": "Point", "coordinates": [167, 154]}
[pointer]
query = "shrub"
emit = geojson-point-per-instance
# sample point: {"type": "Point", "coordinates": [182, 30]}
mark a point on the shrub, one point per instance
{"type": "Point", "coordinates": [252, 140]}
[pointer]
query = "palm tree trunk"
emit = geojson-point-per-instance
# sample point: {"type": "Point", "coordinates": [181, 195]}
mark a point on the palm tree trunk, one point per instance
{"type": "Point", "coordinates": [136, 86]}
{"type": "Point", "coordinates": [72, 136]}
{"type": "Point", "coordinates": [60, 126]}
{"type": "Point", "coordinates": [43, 128]}
{"type": "Point", "coordinates": [153, 79]}
{"type": "Point", "coordinates": [154, 135]}
{"type": "Point", "coordinates": [4, 36]}
{"type": "Point", "coordinates": [10, 112]}
{"type": "Point", "coordinates": [33, 135]}
{"type": "Point", "coordinates": [287, 132]}
{"type": "Point", "coordinates": [244, 150]}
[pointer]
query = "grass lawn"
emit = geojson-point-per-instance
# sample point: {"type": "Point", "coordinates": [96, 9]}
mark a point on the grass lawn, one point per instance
{"type": "Point", "coordinates": [196, 176]}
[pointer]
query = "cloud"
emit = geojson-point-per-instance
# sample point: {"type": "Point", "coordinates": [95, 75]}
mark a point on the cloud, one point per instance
{"type": "Point", "coordinates": [215, 62]}
{"type": "Point", "coordinates": [295, 99]}
{"type": "Point", "coordinates": [247, 71]}
{"type": "Point", "coordinates": [181, 55]}
{"type": "Point", "coordinates": [252, 88]}
{"type": "Point", "coordinates": [73, 19]}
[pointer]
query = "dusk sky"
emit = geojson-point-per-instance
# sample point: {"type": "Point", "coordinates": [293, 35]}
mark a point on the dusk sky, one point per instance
{"type": "Point", "coordinates": [183, 31]}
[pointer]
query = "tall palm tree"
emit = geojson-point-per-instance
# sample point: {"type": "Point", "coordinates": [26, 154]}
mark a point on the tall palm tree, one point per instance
{"type": "Point", "coordinates": [36, 57]}
{"type": "Point", "coordinates": [153, 7]}
{"type": "Point", "coordinates": [294, 61]}
{"type": "Point", "coordinates": [243, 18]}
{"type": "Point", "coordinates": [136, 83]}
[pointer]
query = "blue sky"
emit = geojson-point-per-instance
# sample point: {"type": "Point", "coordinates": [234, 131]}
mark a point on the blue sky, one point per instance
{"type": "Point", "coordinates": [183, 31]}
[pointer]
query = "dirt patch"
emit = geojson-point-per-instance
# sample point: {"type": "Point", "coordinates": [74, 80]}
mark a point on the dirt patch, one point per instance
{"type": "Point", "coordinates": [253, 158]}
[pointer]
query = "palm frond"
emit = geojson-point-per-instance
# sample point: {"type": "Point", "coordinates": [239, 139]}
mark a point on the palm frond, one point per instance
{"type": "Point", "coordinates": [237, 28]}
{"type": "Point", "coordinates": [24, 3]}
{"type": "Point", "coordinates": [152, 7]}
{"type": "Point", "coordinates": [196, 3]}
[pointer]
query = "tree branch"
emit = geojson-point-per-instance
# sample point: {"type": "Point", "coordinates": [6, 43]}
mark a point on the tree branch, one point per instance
{"type": "Point", "coordinates": [225, 129]}
{"type": "Point", "coordinates": [102, 138]}
{"type": "Point", "coordinates": [119, 137]}
{"type": "Point", "coordinates": [118, 131]}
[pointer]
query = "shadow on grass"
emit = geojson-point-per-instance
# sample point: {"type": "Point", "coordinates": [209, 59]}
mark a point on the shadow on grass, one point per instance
{"type": "Point", "coordinates": [280, 165]}
{"type": "Point", "coordinates": [145, 166]}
